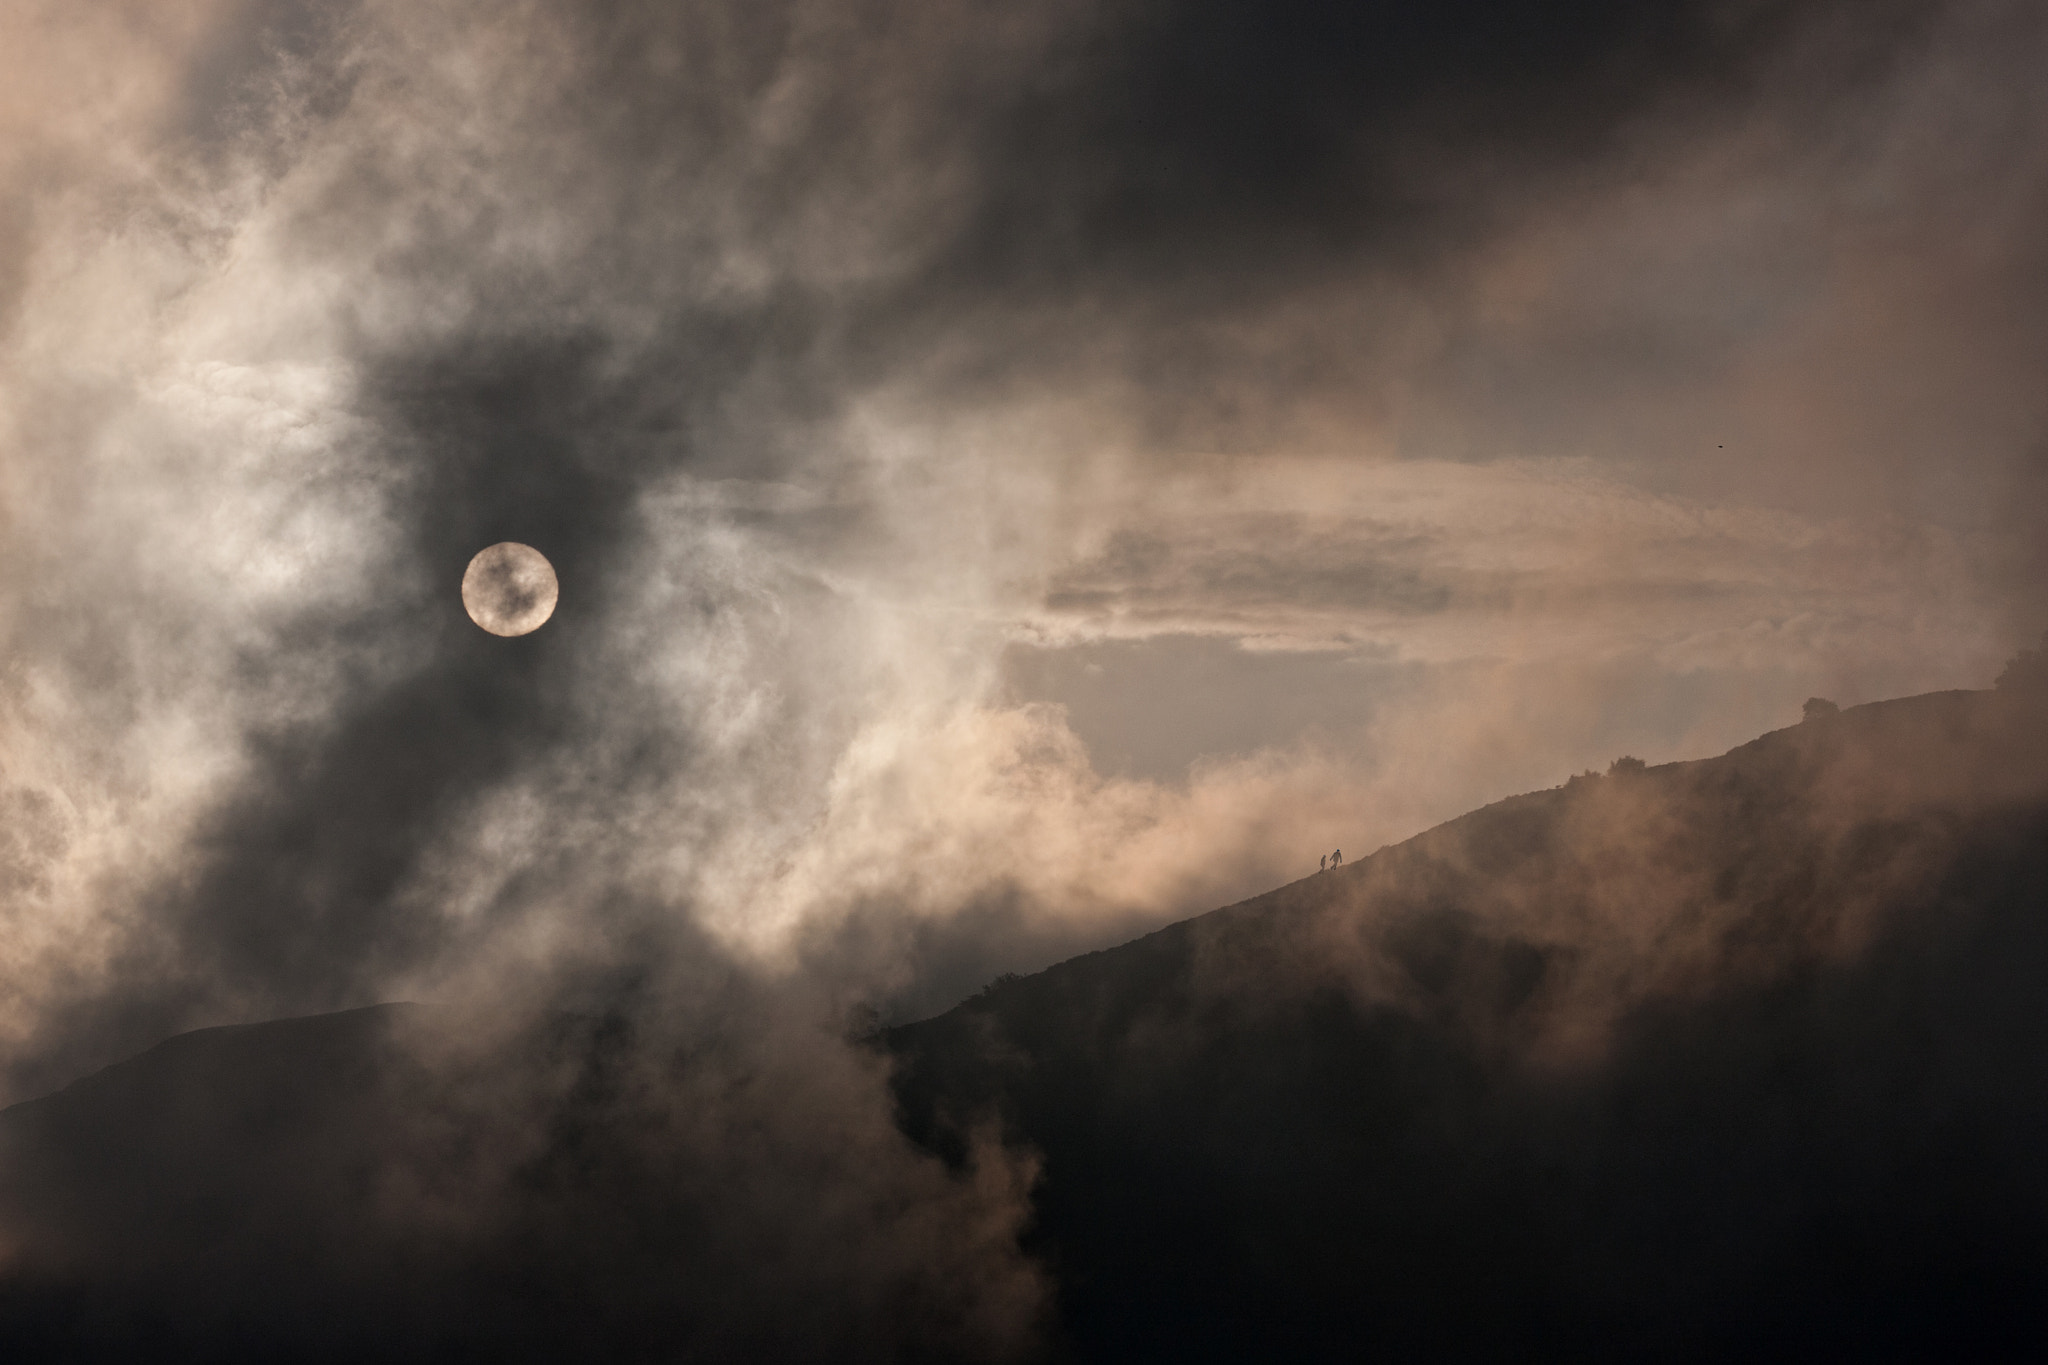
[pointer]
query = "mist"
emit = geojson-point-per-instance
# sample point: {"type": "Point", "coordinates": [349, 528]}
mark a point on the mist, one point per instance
{"type": "Point", "coordinates": [1017, 478]}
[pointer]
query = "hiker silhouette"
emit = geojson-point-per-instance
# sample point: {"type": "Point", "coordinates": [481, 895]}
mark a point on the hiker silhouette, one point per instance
{"type": "Point", "coordinates": [1337, 858]}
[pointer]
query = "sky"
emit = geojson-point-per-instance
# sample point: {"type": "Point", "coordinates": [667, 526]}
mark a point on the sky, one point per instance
{"type": "Point", "coordinates": [1017, 475]}
{"type": "Point", "coordinates": [1014, 477]}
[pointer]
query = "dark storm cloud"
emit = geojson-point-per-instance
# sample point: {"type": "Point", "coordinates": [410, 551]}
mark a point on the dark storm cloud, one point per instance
{"type": "Point", "coordinates": [1278, 139]}
{"type": "Point", "coordinates": [827, 351]}
{"type": "Point", "coordinates": [1174, 172]}
{"type": "Point", "coordinates": [615, 252]}
{"type": "Point", "coordinates": [556, 311]}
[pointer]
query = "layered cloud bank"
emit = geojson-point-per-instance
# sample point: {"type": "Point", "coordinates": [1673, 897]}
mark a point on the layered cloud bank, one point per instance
{"type": "Point", "coordinates": [1014, 477]}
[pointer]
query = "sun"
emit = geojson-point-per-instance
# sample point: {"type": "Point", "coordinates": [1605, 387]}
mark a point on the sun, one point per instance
{"type": "Point", "coordinates": [510, 589]}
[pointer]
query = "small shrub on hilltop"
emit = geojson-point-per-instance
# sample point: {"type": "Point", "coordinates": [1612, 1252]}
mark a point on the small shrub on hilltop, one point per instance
{"type": "Point", "coordinates": [2027, 671]}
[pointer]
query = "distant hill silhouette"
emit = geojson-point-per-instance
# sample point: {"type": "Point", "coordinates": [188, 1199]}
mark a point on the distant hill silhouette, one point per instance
{"type": "Point", "coordinates": [1735, 1058]}
{"type": "Point", "coordinates": [377, 1185]}
{"type": "Point", "coordinates": [1716, 1060]}
{"type": "Point", "coordinates": [227, 1157]}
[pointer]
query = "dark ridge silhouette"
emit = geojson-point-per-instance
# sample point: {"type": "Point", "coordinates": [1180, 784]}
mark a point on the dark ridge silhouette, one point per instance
{"type": "Point", "coordinates": [1740, 1058]}
{"type": "Point", "coordinates": [227, 1156]}
{"type": "Point", "coordinates": [1715, 1060]}
{"type": "Point", "coordinates": [369, 1186]}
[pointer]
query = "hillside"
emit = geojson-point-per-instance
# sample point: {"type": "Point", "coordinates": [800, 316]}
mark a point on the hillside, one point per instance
{"type": "Point", "coordinates": [1734, 1057]}
{"type": "Point", "coordinates": [1739, 1057]}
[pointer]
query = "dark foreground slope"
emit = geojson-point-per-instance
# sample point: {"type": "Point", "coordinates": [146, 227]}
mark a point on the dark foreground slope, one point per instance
{"type": "Point", "coordinates": [1740, 1057]}
{"type": "Point", "coordinates": [386, 1185]}
{"type": "Point", "coordinates": [174, 1202]}
{"type": "Point", "coordinates": [1745, 1057]}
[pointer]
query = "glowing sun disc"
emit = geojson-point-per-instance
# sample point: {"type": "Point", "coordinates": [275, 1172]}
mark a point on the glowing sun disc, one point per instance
{"type": "Point", "coordinates": [510, 589]}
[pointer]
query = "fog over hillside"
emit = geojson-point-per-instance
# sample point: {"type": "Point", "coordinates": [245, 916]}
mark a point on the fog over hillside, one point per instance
{"type": "Point", "coordinates": [1726, 1059]}
{"type": "Point", "coordinates": [1742, 1056]}
{"type": "Point", "coordinates": [1017, 477]}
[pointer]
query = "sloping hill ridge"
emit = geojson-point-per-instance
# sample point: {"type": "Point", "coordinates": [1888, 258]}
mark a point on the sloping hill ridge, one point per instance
{"type": "Point", "coordinates": [1743, 1057]}
{"type": "Point", "coordinates": [1739, 1057]}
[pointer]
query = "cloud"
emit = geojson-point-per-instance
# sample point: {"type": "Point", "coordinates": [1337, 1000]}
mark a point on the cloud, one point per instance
{"type": "Point", "coordinates": [1508, 392]}
{"type": "Point", "coordinates": [1322, 553]}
